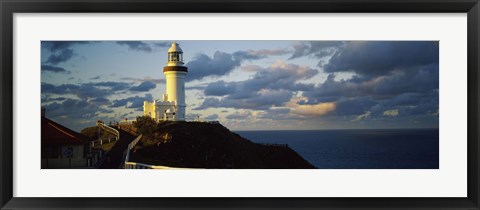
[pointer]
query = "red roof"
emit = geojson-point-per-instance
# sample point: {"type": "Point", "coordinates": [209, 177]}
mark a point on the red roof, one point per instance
{"type": "Point", "coordinates": [55, 134]}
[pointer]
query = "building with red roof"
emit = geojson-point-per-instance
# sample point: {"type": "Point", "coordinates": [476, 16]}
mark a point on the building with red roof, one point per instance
{"type": "Point", "coordinates": [63, 147]}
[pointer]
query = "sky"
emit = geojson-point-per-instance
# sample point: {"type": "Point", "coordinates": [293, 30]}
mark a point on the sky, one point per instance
{"type": "Point", "coordinates": [248, 85]}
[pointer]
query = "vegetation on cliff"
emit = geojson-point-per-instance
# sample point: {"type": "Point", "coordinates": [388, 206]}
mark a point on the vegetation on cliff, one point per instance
{"type": "Point", "coordinates": [207, 145]}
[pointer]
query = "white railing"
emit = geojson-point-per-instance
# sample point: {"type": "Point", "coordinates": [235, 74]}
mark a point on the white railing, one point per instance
{"type": "Point", "coordinates": [130, 147]}
{"type": "Point", "coordinates": [109, 129]}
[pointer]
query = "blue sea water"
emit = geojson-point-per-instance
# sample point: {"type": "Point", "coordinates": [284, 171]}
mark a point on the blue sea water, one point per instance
{"type": "Point", "coordinates": [359, 149]}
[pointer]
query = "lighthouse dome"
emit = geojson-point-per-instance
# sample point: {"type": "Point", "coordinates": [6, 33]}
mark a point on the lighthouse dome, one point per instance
{"type": "Point", "coordinates": [175, 48]}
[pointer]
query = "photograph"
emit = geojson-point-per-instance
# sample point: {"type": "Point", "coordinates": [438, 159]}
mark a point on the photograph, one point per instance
{"type": "Point", "coordinates": [239, 104]}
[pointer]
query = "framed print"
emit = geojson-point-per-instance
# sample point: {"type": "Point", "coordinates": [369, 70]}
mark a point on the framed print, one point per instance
{"type": "Point", "coordinates": [239, 105]}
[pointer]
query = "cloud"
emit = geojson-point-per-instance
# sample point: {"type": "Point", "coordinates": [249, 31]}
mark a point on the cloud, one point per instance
{"type": "Point", "coordinates": [276, 114]}
{"type": "Point", "coordinates": [100, 100]}
{"type": "Point", "coordinates": [222, 63]}
{"type": "Point", "coordinates": [362, 116]}
{"type": "Point", "coordinates": [192, 116]}
{"type": "Point", "coordinates": [420, 79]}
{"type": "Point", "coordinates": [85, 90]}
{"type": "Point", "coordinates": [391, 113]}
{"type": "Point", "coordinates": [271, 86]}
{"type": "Point", "coordinates": [95, 78]}
{"type": "Point", "coordinates": [310, 110]}
{"type": "Point", "coordinates": [239, 115]}
{"type": "Point", "coordinates": [211, 117]}
{"type": "Point", "coordinates": [60, 51]}
{"type": "Point", "coordinates": [220, 88]}
{"type": "Point", "coordinates": [258, 54]}
{"type": "Point", "coordinates": [278, 76]}
{"type": "Point", "coordinates": [162, 44]}
{"type": "Point", "coordinates": [144, 86]}
{"type": "Point", "coordinates": [60, 56]}
{"type": "Point", "coordinates": [62, 45]}
{"type": "Point", "coordinates": [257, 101]}
{"type": "Point", "coordinates": [380, 57]}
{"type": "Point", "coordinates": [347, 106]}
{"type": "Point", "coordinates": [218, 65]}
{"type": "Point", "coordinates": [317, 49]}
{"type": "Point", "coordinates": [136, 45]}
{"type": "Point", "coordinates": [132, 102]}
{"type": "Point", "coordinates": [75, 109]}
{"type": "Point", "coordinates": [114, 86]}
{"type": "Point", "coordinates": [76, 114]}
{"type": "Point", "coordinates": [55, 69]}
{"type": "Point", "coordinates": [411, 91]}
{"type": "Point", "coordinates": [251, 68]}
{"type": "Point", "coordinates": [145, 79]}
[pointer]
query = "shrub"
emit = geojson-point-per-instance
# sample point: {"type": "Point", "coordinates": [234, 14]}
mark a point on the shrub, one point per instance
{"type": "Point", "coordinates": [145, 125]}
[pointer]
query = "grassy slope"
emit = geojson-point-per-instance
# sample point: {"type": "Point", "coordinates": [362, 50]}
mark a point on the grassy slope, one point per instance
{"type": "Point", "coordinates": [204, 145]}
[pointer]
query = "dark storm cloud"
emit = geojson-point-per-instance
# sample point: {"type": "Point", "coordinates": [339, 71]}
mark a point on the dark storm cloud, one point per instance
{"type": "Point", "coordinates": [62, 45]}
{"type": "Point", "coordinates": [56, 69]}
{"type": "Point", "coordinates": [413, 80]}
{"type": "Point", "coordinates": [85, 90]}
{"type": "Point", "coordinates": [219, 88]}
{"type": "Point", "coordinates": [60, 56]}
{"type": "Point", "coordinates": [222, 63]}
{"type": "Point", "coordinates": [409, 104]}
{"type": "Point", "coordinates": [203, 66]}
{"type": "Point", "coordinates": [100, 100]}
{"type": "Point", "coordinates": [144, 86]}
{"type": "Point", "coordinates": [162, 44]}
{"type": "Point", "coordinates": [279, 76]}
{"type": "Point", "coordinates": [354, 106]}
{"type": "Point", "coordinates": [272, 86]}
{"type": "Point", "coordinates": [409, 95]}
{"type": "Point", "coordinates": [391, 80]}
{"type": "Point", "coordinates": [379, 58]}
{"type": "Point", "coordinates": [59, 52]}
{"type": "Point", "coordinates": [136, 45]}
{"type": "Point", "coordinates": [135, 102]}
{"type": "Point", "coordinates": [255, 101]}
{"type": "Point", "coordinates": [317, 49]}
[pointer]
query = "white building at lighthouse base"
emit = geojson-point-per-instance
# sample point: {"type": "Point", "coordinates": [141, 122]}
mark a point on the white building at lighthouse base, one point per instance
{"type": "Point", "coordinates": [164, 110]}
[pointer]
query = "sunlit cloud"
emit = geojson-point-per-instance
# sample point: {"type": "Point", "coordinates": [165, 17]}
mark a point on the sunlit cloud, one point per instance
{"type": "Point", "coordinates": [391, 113]}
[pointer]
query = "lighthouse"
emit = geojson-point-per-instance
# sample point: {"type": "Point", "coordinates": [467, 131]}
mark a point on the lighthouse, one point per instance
{"type": "Point", "coordinates": [172, 106]}
{"type": "Point", "coordinates": [175, 74]}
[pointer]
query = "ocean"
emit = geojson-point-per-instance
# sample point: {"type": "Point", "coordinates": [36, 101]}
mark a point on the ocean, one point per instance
{"type": "Point", "coordinates": [358, 149]}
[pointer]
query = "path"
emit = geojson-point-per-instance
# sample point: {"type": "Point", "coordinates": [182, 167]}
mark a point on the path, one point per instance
{"type": "Point", "coordinates": [115, 156]}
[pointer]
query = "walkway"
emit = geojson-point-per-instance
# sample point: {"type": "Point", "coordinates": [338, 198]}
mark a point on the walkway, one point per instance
{"type": "Point", "coordinates": [114, 157]}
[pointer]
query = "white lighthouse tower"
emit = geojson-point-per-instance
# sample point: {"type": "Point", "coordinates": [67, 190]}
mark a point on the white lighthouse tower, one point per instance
{"type": "Point", "coordinates": [172, 106]}
{"type": "Point", "coordinates": [175, 74]}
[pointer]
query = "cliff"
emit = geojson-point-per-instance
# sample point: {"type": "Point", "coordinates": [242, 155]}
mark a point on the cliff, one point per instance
{"type": "Point", "coordinates": [206, 145]}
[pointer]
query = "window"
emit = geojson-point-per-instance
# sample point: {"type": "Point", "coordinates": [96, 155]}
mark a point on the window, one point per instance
{"type": "Point", "coordinates": [175, 57]}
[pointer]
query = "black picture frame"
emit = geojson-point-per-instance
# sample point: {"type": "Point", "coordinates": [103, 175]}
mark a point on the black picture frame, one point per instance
{"type": "Point", "coordinates": [10, 7]}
